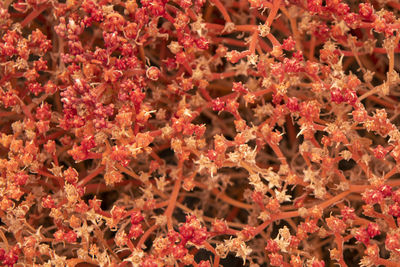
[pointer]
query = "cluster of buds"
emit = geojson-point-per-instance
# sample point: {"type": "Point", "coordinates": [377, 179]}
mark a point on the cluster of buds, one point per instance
{"type": "Point", "coordinates": [274, 132]}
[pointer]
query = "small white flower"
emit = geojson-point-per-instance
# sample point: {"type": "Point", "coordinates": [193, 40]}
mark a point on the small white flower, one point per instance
{"type": "Point", "coordinates": [263, 30]}
{"type": "Point", "coordinates": [135, 258]}
{"type": "Point", "coordinates": [281, 196]}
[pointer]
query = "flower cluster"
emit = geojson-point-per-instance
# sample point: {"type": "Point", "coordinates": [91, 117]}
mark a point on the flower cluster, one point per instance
{"type": "Point", "coordinates": [199, 133]}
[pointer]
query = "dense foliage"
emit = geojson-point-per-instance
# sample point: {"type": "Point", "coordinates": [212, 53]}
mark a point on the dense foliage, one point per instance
{"type": "Point", "coordinates": [199, 133]}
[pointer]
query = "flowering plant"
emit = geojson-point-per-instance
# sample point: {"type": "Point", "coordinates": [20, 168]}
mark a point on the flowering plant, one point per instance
{"type": "Point", "coordinates": [199, 133]}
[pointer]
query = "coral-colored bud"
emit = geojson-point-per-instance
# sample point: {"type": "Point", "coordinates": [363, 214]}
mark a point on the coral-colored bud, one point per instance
{"type": "Point", "coordinates": [288, 44]}
{"type": "Point", "coordinates": [396, 196]}
{"type": "Point", "coordinates": [362, 236]}
{"type": "Point", "coordinates": [380, 152]}
{"type": "Point", "coordinates": [372, 197]}
{"type": "Point", "coordinates": [48, 202]}
{"type": "Point", "coordinates": [366, 10]}
{"type": "Point", "coordinates": [136, 217]}
{"type": "Point", "coordinates": [317, 263]}
{"type": "Point", "coordinates": [219, 226]}
{"type": "Point", "coordinates": [70, 237]}
{"type": "Point", "coordinates": [59, 235]}
{"type": "Point", "coordinates": [336, 95]}
{"type": "Point", "coordinates": [336, 225]}
{"type": "Point", "coordinates": [394, 210]}
{"type": "Point", "coordinates": [218, 104]}
{"type": "Point", "coordinates": [272, 246]}
{"type": "Point", "coordinates": [386, 190]}
{"type": "Point", "coordinates": [202, 43]}
{"type": "Point", "coordinates": [204, 264]}
{"type": "Point", "coordinates": [373, 230]}
{"type": "Point", "coordinates": [276, 259]}
{"type": "Point", "coordinates": [240, 88]}
{"type": "Point", "coordinates": [392, 242]}
{"type": "Point", "coordinates": [21, 178]}
{"type": "Point", "coordinates": [292, 104]}
{"type": "Point", "coordinates": [135, 231]}
{"type": "Point", "coordinates": [153, 73]}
